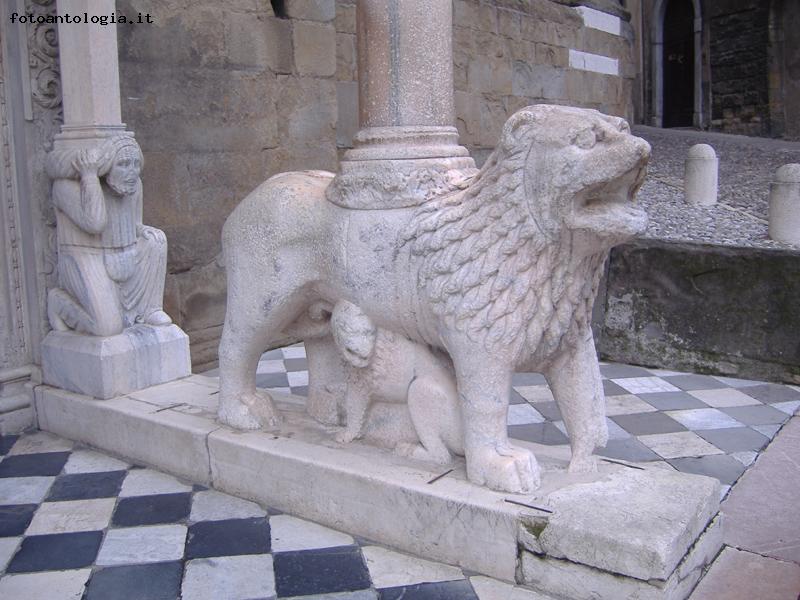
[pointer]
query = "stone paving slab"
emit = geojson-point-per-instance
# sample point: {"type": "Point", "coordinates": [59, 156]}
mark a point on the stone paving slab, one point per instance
{"type": "Point", "coordinates": [740, 575]}
{"type": "Point", "coordinates": [776, 532]}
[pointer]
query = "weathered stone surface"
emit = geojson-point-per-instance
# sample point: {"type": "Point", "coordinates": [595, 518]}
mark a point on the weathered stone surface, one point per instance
{"type": "Point", "coordinates": [106, 367]}
{"type": "Point", "coordinates": [566, 579]}
{"type": "Point", "coordinates": [346, 57]}
{"type": "Point", "coordinates": [539, 81]}
{"type": "Point", "coordinates": [259, 42]}
{"type": "Point", "coordinates": [784, 205]}
{"type": "Point", "coordinates": [111, 267]}
{"type": "Point", "coordinates": [347, 123]}
{"type": "Point", "coordinates": [142, 432]}
{"type": "Point", "coordinates": [200, 90]}
{"type": "Point", "coordinates": [704, 308]}
{"type": "Point", "coordinates": [210, 70]}
{"type": "Point", "coordinates": [740, 575]}
{"type": "Point", "coordinates": [293, 227]}
{"type": "Point", "coordinates": [774, 533]}
{"type": "Point", "coordinates": [701, 172]}
{"type": "Point", "coordinates": [611, 524]}
{"type": "Point", "coordinates": [315, 49]}
{"type": "Point", "coordinates": [450, 521]}
{"type": "Point", "coordinates": [312, 10]}
{"type": "Point", "coordinates": [346, 16]}
{"type": "Point", "coordinates": [738, 53]}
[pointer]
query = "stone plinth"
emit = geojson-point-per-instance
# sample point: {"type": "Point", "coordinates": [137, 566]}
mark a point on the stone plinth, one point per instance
{"type": "Point", "coordinates": [621, 533]}
{"type": "Point", "coordinates": [105, 367]}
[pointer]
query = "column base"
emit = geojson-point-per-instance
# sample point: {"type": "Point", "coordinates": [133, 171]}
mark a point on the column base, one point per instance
{"type": "Point", "coordinates": [105, 367]}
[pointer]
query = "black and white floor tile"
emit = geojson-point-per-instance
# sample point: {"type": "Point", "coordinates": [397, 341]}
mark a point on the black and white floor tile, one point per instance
{"type": "Point", "coordinates": [77, 524]}
{"type": "Point", "coordinates": [700, 424]}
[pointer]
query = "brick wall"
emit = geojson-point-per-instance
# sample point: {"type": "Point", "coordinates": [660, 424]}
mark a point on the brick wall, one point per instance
{"type": "Point", "coordinates": [221, 95]}
{"type": "Point", "coordinates": [738, 54]}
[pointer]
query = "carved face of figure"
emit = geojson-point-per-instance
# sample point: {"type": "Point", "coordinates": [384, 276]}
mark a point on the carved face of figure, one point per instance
{"type": "Point", "coordinates": [354, 334]}
{"type": "Point", "coordinates": [125, 170]}
{"type": "Point", "coordinates": [583, 171]}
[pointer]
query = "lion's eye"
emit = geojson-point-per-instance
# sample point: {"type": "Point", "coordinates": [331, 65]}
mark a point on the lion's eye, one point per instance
{"type": "Point", "coordinates": [586, 139]}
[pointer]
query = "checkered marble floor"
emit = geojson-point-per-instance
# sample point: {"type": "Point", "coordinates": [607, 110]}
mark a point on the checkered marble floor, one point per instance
{"type": "Point", "coordinates": [700, 424]}
{"type": "Point", "coordinates": [78, 524]}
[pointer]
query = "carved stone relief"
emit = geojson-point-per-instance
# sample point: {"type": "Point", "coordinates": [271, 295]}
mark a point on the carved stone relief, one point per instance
{"type": "Point", "coordinates": [498, 274]}
{"type": "Point", "coordinates": [12, 320]}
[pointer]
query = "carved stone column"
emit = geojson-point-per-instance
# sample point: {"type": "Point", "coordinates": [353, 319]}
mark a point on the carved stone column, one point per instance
{"type": "Point", "coordinates": [111, 335]}
{"type": "Point", "coordinates": [89, 74]}
{"type": "Point", "coordinates": [407, 148]}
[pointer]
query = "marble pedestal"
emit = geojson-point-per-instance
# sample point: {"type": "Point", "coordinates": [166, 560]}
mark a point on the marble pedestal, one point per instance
{"type": "Point", "coordinates": [625, 532]}
{"type": "Point", "coordinates": [105, 367]}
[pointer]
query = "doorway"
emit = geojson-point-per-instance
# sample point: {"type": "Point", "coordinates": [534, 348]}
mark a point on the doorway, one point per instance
{"type": "Point", "coordinates": [679, 64]}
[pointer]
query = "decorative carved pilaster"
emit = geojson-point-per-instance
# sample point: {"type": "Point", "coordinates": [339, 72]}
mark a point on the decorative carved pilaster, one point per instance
{"type": "Point", "coordinates": [12, 319]}
{"type": "Point", "coordinates": [43, 58]}
{"type": "Point", "coordinates": [44, 74]}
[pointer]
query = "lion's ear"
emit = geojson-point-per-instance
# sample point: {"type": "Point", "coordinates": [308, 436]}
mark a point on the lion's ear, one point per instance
{"type": "Point", "coordinates": [519, 126]}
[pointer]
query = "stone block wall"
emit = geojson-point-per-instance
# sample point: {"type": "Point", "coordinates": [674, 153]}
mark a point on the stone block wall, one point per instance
{"type": "Point", "coordinates": [222, 95]}
{"type": "Point", "coordinates": [509, 54]}
{"type": "Point", "coordinates": [739, 64]}
{"type": "Point", "coordinates": [702, 308]}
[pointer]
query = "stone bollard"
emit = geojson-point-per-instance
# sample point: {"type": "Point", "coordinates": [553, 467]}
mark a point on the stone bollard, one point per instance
{"type": "Point", "coordinates": [700, 176]}
{"type": "Point", "coordinates": [784, 205]}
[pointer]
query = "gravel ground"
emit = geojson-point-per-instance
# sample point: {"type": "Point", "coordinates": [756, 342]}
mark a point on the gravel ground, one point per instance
{"type": "Point", "coordinates": [746, 168]}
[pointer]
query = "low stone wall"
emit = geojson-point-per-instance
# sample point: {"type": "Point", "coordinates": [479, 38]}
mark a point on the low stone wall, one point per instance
{"type": "Point", "coordinates": [701, 308]}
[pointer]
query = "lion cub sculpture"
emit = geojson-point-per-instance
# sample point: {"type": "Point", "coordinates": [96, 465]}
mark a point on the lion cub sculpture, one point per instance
{"type": "Point", "coordinates": [500, 274]}
{"type": "Point", "coordinates": [384, 366]}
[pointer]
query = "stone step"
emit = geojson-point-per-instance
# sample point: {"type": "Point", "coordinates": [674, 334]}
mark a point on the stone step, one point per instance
{"type": "Point", "coordinates": [624, 532]}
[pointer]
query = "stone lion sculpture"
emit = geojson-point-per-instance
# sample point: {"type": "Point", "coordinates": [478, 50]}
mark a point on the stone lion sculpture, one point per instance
{"type": "Point", "coordinates": [501, 275]}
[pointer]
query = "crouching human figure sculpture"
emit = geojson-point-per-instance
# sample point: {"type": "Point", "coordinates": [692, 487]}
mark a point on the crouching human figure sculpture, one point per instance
{"type": "Point", "coordinates": [111, 267]}
{"type": "Point", "coordinates": [500, 273]}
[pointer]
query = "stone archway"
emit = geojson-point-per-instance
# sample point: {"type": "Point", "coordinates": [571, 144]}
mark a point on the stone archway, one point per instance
{"type": "Point", "coordinates": [682, 59]}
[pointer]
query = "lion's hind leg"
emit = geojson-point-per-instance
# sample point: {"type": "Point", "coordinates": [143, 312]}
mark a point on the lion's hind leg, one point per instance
{"type": "Point", "coordinates": [250, 325]}
{"type": "Point", "coordinates": [432, 417]}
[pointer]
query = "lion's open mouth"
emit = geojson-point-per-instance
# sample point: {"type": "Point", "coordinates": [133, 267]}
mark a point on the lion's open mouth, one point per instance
{"type": "Point", "coordinates": [609, 208]}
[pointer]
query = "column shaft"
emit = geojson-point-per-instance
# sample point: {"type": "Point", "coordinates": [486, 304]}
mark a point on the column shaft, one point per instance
{"type": "Point", "coordinates": [89, 70]}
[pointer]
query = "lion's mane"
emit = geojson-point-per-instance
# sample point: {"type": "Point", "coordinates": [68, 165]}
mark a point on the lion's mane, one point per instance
{"type": "Point", "coordinates": [487, 264]}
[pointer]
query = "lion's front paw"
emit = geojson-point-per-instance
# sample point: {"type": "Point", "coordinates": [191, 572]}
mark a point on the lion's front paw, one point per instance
{"type": "Point", "coordinates": [252, 411]}
{"type": "Point", "coordinates": [503, 468]}
{"type": "Point", "coordinates": [345, 436]}
{"type": "Point", "coordinates": [582, 464]}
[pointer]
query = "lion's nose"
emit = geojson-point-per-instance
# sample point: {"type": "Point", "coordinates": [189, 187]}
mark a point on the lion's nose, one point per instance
{"type": "Point", "coordinates": [642, 148]}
